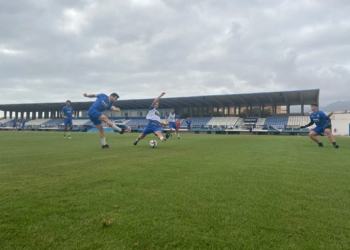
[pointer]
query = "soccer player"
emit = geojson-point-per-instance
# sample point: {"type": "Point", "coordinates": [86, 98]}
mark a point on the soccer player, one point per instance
{"type": "Point", "coordinates": [170, 119]}
{"type": "Point", "coordinates": [323, 125]}
{"type": "Point", "coordinates": [188, 122]}
{"type": "Point", "coordinates": [14, 125]}
{"type": "Point", "coordinates": [23, 125]}
{"type": "Point", "coordinates": [102, 103]}
{"type": "Point", "coordinates": [178, 125]}
{"type": "Point", "coordinates": [154, 125]}
{"type": "Point", "coordinates": [67, 114]}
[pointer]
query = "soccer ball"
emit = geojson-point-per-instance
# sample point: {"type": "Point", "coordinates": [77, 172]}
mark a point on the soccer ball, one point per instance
{"type": "Point", "coordinates": [153, 143]}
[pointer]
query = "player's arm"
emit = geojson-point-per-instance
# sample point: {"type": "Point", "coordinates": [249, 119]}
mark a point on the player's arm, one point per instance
{"type": "Point", "coordinates": [166, 118]}
{"type": "Point", "coordinates": [308, 125]}
{"type": "Point", "coordinates": [90, 95]}
{"type": "Point", "coordinates": [115, 109]}
{"type": "Point", "coordinates": [62, 113]}
{"type": "Point", "coordinates": [157, 99]}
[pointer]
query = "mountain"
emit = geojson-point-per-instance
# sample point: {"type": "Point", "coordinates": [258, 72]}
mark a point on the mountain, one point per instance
{"type": "Point", "coordinates": [337, 106]}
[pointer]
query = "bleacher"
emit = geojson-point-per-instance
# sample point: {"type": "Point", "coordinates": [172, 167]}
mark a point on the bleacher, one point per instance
{"type": "Point", "coordinates": [53, 122]}
{"type": "Point", "coordinates": [224, 122]}
{"type": "Point", "coordinates": [137, 123]}
{"type": "Point", "coordinates": [260, 123]}
{"type": "Point", "coordinates": [297, 121]}
{"type": "Point", "coordinates": [276, 122]}
{"type": "Point", "coordinates": [6, 122]}
{"type": "Point", "coordinates": [37, 122]}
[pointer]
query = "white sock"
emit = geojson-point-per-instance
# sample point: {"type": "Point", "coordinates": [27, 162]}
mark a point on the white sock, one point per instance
{"type": "Point", "coordinates": [178, 134]}
{"type": "Point", "coordinates": [137, 139]}
{"type": "Point", "coordinates": [161, 138]}
{"type": "Point", "coordinates": [116, 127]}
{"type": "Point", "coordinates": [68, 133]}
{"type": "Point", "coordinates": [103, 141]}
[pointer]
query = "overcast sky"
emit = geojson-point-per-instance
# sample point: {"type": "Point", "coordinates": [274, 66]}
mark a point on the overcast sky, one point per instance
{"type": "Point", "coordinates": [54, 50]}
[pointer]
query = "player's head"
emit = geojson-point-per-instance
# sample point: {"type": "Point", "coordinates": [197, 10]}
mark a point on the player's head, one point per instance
{"type": "Point", "coordinates": [68, 103]}
{"type": "Point", "coordinates": [156, 105]}
{"type": "Point", "coordinates": [172, 110]}
{"type": "Point", "coordinates": [113, 97]}
{"type": "Point", "coordinates": [314, 107]}
{"type": "Point", "coordinates": [188, 118]}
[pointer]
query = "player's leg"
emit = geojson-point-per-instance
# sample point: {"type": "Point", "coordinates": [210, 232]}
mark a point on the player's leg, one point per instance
{"type": "Point", "coordinates": [70, 122]}
{"type": "Point", "coordinates": [140, 137]}
{"type": "Point", "coordinates": [102, 135]}
{"type": "Point", "coordinates": [313, 135]}
{"type": "Point", "coordinates": [171, 130]}
{"type": "Point", "coordinates": [112, 124]}
{"type": "Point", "coordinates": [160, 135]}
{"type": "Point", "coordinates": [331, 137]}
{"type": "Point", "coordinates": [65, 121]}
{"type": "Point", "coordinates": [178, 133]}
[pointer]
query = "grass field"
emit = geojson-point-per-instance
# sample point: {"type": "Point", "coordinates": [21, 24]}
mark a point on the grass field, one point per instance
{"type": "Point", "coordinates": [201, 192]}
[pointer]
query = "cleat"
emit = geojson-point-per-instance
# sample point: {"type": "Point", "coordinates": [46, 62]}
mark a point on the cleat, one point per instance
{"type": "Point", "coordinates": [69, 137]}
{"type": "Point", "coordinates": [167, 135]}
{"type": "Point", "coordinates": [128, 129]}
{"type": "Point", "coordinates": [135, 142]}
{"type": "Point", "coordinates": [178, 138]}
{"type": "Point", "coordinates": [105, 146]}
{"type": "Point", "coordinates": [163, 139]}
{"type": "Point", "coordinates": [336, 146]}
{"type": "Point", "coordinates": [64, 137]}
{"type": "Point", "coordinates": [320, 144]}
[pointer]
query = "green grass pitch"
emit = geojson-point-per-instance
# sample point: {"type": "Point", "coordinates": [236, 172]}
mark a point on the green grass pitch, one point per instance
{"type": "Point", "coordinates": [201, 192]}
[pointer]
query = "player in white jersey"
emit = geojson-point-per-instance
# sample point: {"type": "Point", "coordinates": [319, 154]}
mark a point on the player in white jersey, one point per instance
{"type": "Point", "coordinates": [154, 125]}
{"type": "Point", "coordinates": [171, 118]}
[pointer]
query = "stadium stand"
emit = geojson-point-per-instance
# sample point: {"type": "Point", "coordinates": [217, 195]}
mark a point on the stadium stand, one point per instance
{"type": "Point", "coordinates": [297, 121]}
{"type": "Point", "coordinates": [279, 122]}
{"type": "Point", "coordinates": [137, 123]}
{"type": "Point", "coordinates": [6, 122]}
{"type": "Point", "coordinates": [226, 122]}
{"type": "Point", "coordinates": [260, 123]}
{"type": "Point", "coordinates": [53, 122]}
{"type": "Point", "coordinates": [77, 122]}
{"type": "Point", "coordinates": [37, 122]}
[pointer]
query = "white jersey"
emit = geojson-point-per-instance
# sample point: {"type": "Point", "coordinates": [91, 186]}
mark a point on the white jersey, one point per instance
{"type": "Point", "coordinates": [153, 115]}
{"type": "Point", "coordinates": [171, 117]}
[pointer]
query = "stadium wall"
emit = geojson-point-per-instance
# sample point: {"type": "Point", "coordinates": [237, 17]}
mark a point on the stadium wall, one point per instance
{"type": "Point", "coordinates": [341, 123]}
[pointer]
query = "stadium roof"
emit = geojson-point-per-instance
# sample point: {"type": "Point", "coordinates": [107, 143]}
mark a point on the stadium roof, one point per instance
{"type": "Point", "coordinates": [280, 98]}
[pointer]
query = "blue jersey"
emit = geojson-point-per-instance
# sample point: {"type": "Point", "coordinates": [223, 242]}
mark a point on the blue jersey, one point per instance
{"type": "Point", "coordinates": [102, 103]}
{"type": "Point", "coordinates": [188, 123]}
{"type": "Point", "coordinates": [320, 118]}
{"type": "Point", "coordinates": [67, 111]}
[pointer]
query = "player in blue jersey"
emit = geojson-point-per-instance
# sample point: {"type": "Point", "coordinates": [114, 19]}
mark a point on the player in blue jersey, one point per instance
{"type": "Point", "coordinates": [14, 125]}
{"type": "Point", "coordinates": [323, 126]}
{"type": "Point", "coordinates": [23, 128]}
{"type": "Point", "coordinates": [67, 113]}
{"type": "Point", "coordinates": [102, 103]}
{"type": "Point", "coordinates": [170, 118]}
{"type": "Point", "coordinates": [154, 125]}
{"type": "Point", "coordinates": [188, 122]}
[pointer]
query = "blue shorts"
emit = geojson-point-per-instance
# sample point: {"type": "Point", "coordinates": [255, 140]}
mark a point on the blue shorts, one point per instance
{"type": "Point", "coordinates": [68, 122]}
{"type": "Point", "coordinates": [152, 128]}
{"type": "Point", "coordinates": [172, 125]}
{"type": "Point", "coordinates": [15, 125]}
{"type": "Point", "coordinates": [188, 127]}
{"type": "Point", "coordinates": [94, 115]}
{"type": "Point", "coordinates": [320, 130]}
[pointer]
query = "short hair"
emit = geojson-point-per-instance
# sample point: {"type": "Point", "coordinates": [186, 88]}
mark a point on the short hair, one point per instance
{"type": "Point", "coordinates": [69, 101]}
{"type": "Point", "coordinates": [314, 104]}
{"type": "Point", "coordinates": [115, 95]}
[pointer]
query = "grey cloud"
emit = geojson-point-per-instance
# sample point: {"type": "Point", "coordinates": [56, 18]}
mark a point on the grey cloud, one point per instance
{"type": "Point", "coordinates": [140, 48]}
